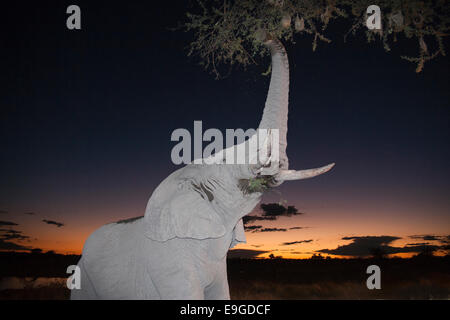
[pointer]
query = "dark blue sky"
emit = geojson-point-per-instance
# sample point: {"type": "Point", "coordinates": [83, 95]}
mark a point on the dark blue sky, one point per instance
{"type": "Point", "coordinates": [86, 116]}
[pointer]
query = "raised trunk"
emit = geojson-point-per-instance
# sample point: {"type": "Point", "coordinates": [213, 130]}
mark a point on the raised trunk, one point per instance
{"type": "Point", "coordinates": [275, 114]}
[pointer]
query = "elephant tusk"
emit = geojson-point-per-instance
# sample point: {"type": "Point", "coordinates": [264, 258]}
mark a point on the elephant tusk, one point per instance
{"type": "Point", "coordinates": [285, 175]}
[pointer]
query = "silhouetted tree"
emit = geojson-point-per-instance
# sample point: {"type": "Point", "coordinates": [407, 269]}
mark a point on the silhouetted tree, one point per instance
{"type": "Point", "coordinates": [427, 252]}
{"type": "Point", "coordinates": [231, 31]}
{"type": "Point", "coordinates": [317, 257]}
{"type": "Point", "coordinates": [378, 253]}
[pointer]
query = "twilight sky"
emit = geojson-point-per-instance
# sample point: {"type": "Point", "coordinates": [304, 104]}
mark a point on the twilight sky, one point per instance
{"type": "Point", "coordinates": [86, 118]}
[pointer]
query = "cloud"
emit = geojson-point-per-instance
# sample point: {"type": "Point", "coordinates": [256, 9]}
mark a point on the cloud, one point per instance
{"type": "Point", "coordinates": [425, 237]}
{"type": "Point", "coordinates": [261, 229]}
{"type": "Point", "coordinates": [248, 219]}
{"type": "Point", "coordinates": [15, 236]}
{"type": "Point", "coordinates": [244, 253]}
{"type": "Point", "coordinates": [271, 230]}
{"type": "Point", "coordinates": [8, 223]}
{"type": "Point", "coordinates": [3, 211]}
{"type": "Point", "coordinates": [6, 245]}
{"type": "Point", "coordinates": [373, 239]}
{"type": "Point", "coordinates": [430, 237]}
{"type": "Point", "coordinates": [297, 228]}
{"type": "Point", "coordinates": [276, 210]}
{"type": "Point", "coordinates": [411, 249]}
{"type": "Point", "coordinates": [418, 244]}
{"type": "Point", "coordinates": [250, 228]}
{"type": "Point", "coordinates": [295, 242]}
{"type": "Point", "coordinates": [58, 224]}
{"type": "Point", "coordinates": [271, 211]}
{"type": "Point", "coordinates": [368, 245]}
{"type": "Point", "coordinates": [30, 213]}
{"type": "Point", "coordinates": [10, 234]}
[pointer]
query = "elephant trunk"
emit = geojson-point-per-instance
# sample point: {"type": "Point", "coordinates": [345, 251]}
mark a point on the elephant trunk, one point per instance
{"type": "Point", "coordinates": [275, 115]}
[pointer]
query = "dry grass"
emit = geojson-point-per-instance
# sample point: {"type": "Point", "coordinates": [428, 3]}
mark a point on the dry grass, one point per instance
{"type": "Point", "coordinates": [272, 279]}
{"type": "Point", "coordinates": [261, 290]}
{"type": "Point", "coordinates": [52, 292]}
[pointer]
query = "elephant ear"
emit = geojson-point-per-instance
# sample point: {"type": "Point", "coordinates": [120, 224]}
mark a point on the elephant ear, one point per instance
{"type": "Point", "coordinates": [186, 214]}
{"type": "Point", "coordinates": [238, 234]}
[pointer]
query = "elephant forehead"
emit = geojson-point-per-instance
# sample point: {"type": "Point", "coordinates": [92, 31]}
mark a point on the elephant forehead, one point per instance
{"type": "Point", "coordinates": [202, 173]}
{"type": "Point", "coordinates": [200, 170]}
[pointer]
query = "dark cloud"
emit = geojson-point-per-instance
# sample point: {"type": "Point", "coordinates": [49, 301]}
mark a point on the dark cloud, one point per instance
{"type": "Point", "coordinates": [6, 245]}
{"type": "Point", "coordinates": [360, 246]}
{"type": "Point", "coordinates": [271, 230]}
{"type": "Point", "coordinates": [430, 237]}
{"type": "Point", "coordinates": [9, 234]}
{"type": "Point", "coordinates": [3, 211]}
{"type": "Point", "coordinates": [426, 237]}
{"type": "Point", "coordinates": [58, 224]}
{"type": "Point", "coordinates": [370, 245]}
{"type": "Point", "coordinates": [261, 229]}
{"type": "Point", "coordinates": [9, 230]}
{"type": "Point", "coordinates": [296, 242]}
{"type": "Point", "coordinates": [244, 253]}
{"type": "Point", "coordinates": [248, 219]}
{"type": "Point", "coordinates": [276, 210]}
{"type": "Point", "coordinates": [297, 228]}
{"type": "Point", "coordinates": [8, 223]}
{"type": "Point", "coordinates": [30, 213]}
{"type": "Point", "coordinates": [411, 249]}
{"type": "Point", "coordinates": [370, 240]}
{"type": "Point", "coordinates": [15, 237]}
{"type": "Point", "coordinates": [418, 244]}
{"type": "Point", "coordinates": [271, 211]}
{"type": "Point", "coordinates": [252, 228]}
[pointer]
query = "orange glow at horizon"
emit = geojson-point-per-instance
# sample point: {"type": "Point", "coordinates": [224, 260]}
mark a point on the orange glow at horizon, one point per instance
{"type": "Point", "coordinates": [320, 228]}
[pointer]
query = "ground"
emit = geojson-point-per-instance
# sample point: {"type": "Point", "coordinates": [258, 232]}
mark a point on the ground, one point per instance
{"type": "Point", "coordinates": [416, 278]}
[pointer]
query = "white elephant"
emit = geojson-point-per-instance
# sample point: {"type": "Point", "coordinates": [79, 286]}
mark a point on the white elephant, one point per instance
{"type": "Point", "coordinates": [178, 249]}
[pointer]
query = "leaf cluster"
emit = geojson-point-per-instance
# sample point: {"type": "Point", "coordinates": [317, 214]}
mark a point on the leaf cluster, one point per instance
{"type": "Point", "coordinates": [230, 32]}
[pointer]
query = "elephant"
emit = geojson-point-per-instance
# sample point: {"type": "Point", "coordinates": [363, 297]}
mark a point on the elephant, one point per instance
{"type": "Point", "coordinates": [178, 249]}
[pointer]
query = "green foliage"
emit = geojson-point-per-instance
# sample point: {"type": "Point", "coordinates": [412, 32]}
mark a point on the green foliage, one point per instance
{"type": "Point", "coordinates": [258, 184]}
{"type": "Point", "coordinates": [228, 32]}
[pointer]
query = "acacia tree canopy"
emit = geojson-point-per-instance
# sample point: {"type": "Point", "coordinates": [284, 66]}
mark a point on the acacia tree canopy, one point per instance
{"type": "Point", "coordinates": [231, 31]}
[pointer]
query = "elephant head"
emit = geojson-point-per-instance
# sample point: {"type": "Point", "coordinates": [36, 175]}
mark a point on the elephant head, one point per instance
{"type": "Point", "coordinates": [203, 201]}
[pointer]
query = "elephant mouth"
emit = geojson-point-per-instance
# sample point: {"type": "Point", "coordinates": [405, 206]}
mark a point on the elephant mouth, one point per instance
{"type": "Point", "coordinates": [258, 184]}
